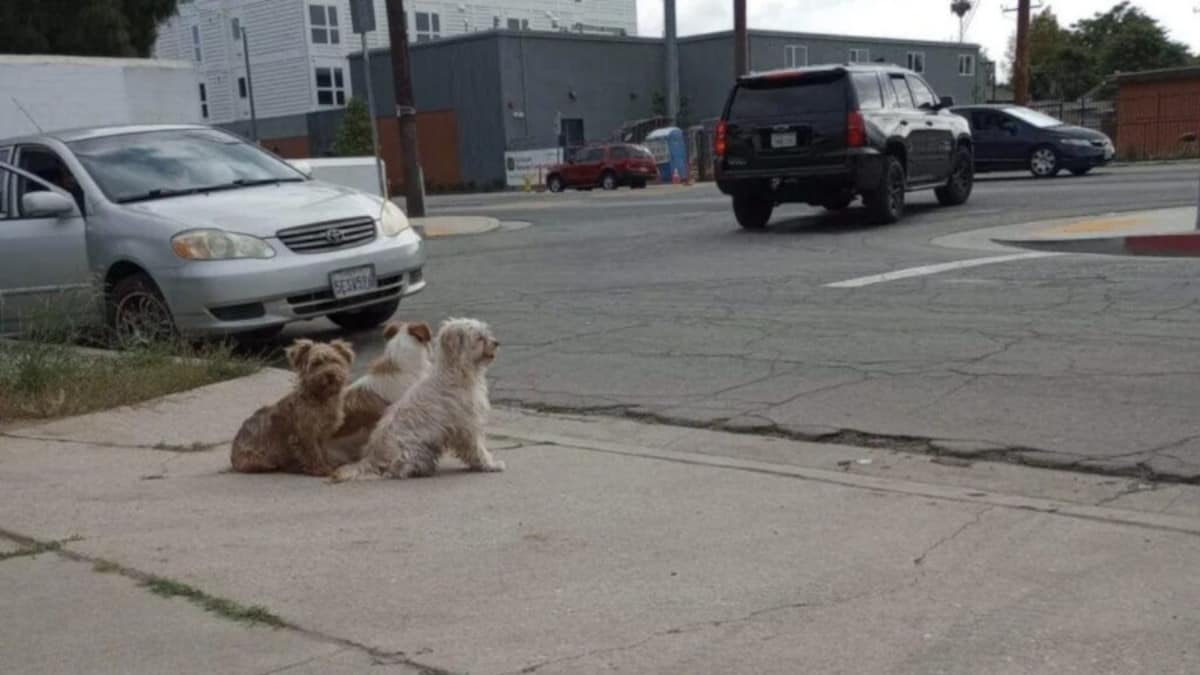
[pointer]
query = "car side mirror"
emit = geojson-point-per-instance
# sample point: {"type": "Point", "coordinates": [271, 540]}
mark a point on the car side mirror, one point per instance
{"type": "Point", "coordinates": [47, 204]}
{"type": "Point", "coordinates": [946, 102]}
{"type": "Point", "coordinates": [303, 167]}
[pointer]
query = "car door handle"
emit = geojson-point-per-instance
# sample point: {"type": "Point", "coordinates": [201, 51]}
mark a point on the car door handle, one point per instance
{"type": "Point", "coordinates": [903, 123]}
{"type": "Point", "coordinates": [929, 124]}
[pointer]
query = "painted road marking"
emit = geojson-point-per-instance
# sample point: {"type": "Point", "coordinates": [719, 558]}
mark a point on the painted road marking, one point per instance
{"type": "Point", "coordinates": [926, 270]}
{"type": "Point", "coordinates": [1098, 225]}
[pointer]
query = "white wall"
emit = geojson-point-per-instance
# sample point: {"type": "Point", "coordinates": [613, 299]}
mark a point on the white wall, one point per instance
{"type": "Point", "coordinates": [65, 92]}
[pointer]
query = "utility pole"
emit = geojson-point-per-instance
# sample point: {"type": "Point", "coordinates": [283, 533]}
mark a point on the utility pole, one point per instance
{"type": "Point", "coordinates": [250, 87]}
{"type": "Point", "coordinates": [1020, 74]}
{"type": "Point", "coordinates": [672, 60]}
{"type": "Point", "coordinates": [741, 45]}
{"type": "Point", "coordinates": [414, 183]}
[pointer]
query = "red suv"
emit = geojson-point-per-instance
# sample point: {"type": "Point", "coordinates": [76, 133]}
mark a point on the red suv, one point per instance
{"type": "Point", "coordinates": [607, 166]}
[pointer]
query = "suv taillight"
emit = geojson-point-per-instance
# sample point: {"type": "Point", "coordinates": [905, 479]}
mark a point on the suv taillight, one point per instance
{"type": "Point", "coordinates": [856, 130]}
{"type": "Point", "coordinates": [719, 141]}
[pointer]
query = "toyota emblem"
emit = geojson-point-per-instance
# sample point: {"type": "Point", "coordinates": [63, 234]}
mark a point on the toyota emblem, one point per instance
{"type": "Point", "coordinates": [334, 236]}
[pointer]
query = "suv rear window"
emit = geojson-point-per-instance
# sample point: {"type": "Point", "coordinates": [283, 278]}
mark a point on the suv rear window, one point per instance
{"type": "Point", "coordinates": [869, 95]}
{"type": "Point", "coordinates": [790, 97]}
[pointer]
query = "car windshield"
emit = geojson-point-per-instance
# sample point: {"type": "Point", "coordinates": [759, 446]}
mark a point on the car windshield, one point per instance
{"type": "Point", "coordinates": [157, 164]}
{"type": "Point", "coordinates": [1037, 119]}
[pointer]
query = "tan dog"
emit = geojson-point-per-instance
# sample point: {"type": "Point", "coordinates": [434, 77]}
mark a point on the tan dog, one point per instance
{"type": "Point", "coordinates": [444, 412]}
{"type": "Point", "coordinates": [288, 435]}
{"type": "Point", "coordinates": [405, 360]}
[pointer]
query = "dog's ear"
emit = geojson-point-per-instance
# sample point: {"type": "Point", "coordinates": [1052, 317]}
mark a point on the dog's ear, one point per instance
{"type": "Point", "coordinates": [298, 353]}
{"type": "Point", "coordinates": [390, 330]}
{"type": "Point", "coordinates": [421, 332]}
{"type": "Point", "coordinates": [342, 347]}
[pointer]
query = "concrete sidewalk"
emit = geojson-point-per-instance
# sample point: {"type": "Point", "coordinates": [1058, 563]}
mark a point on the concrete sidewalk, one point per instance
{"type": "Point", "coordinates": [1161, 233]}
{"type": "Point", "coordinates": [607, 545]}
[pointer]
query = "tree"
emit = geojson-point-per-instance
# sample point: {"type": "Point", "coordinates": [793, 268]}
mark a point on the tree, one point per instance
{"type": "Point", "coordinates": [1068, 63]}
{"type": "Point", "coordinates": [354, 136]}
{"type": "Point", "coordinates": [125, 28]}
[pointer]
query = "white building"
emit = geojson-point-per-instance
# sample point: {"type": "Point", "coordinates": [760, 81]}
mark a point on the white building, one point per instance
{"type": "Point", "coordinates": [299, 48]}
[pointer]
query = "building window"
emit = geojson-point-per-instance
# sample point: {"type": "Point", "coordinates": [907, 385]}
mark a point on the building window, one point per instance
{"type": "Point", "coordinates": [795, 56]}
{"type": "Point", "coordinates": [241, 87]}
{"type": "Point", "coordinates": [429, 26]}
{"type": "Point", "coordinates": [860, 56]}
{"type": "Point", "coordinates": [196, 44]}
{"type": "Point", "coordinates": [331, 87]}
{"type": "Point", "coordinates": [236, 24]}
{"type": "Point", "coordinates": [203, 101]}
{"type": "Point", "coordinates": [324, 20]}
{"type": "Point", "coordinates": [916, 62]}
{"type": "Point", "coordinates": [514, 24]}
{"type": "Point", "coordinates": [966, 65]}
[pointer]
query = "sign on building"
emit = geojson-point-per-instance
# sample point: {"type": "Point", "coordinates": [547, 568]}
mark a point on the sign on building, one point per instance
{"type": "Point", "coordinates": [531, 164]}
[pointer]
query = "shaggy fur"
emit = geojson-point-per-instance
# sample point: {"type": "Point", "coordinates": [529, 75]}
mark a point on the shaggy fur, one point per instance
{"type": "Point", "coordinates": [288, 435]}
{"type": "Point", "coordinates": [444, 412]}
{"type": "Point", "coordinates": [405, 359]}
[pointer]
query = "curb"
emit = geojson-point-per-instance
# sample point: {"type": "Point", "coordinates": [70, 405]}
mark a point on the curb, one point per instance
{"type": "Point", "coordinates": [1185, 245]}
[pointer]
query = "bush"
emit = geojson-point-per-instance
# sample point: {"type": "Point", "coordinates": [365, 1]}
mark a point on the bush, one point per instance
{"type": "Point", "coordinates": [354, 136]}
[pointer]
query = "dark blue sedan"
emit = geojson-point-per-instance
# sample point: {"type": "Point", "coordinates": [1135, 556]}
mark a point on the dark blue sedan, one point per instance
{"type": "Point", "coordinates": [1010, 137]}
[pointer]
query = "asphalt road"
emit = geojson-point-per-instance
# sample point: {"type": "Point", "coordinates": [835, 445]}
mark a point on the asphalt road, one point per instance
{"type": "Point", "coordinates": [655, 304]}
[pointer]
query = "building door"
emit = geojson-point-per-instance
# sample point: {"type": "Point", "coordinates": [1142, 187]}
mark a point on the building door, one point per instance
{"type": "Point", "coordinates": [571, 132]}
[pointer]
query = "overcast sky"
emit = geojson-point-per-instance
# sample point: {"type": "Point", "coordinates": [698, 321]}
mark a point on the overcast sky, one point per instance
{"type": "Point", "coordinates": [923, 19]}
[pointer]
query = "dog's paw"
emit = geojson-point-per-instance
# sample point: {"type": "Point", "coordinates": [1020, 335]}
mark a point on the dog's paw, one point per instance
{"type": "Point", "coordinates": [496, 466]}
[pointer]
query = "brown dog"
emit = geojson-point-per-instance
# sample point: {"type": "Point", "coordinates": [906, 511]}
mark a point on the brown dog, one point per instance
{"type": "Point", "coordinates": [289, 435]}
{"type": "Point", "coordinates": [405, 360]}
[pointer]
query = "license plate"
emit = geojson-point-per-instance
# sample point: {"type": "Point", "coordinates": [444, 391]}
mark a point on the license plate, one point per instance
{"type": "Point", "coordinates": [783, 140]}
{"type": "Point", "coordinates": [346, 283]}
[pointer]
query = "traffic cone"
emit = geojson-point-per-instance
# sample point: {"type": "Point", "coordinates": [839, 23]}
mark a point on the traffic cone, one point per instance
{"type": "Point", "coordinates": [675, 177]}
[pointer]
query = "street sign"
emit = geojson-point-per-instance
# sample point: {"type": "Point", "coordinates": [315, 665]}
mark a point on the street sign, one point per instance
{"type": "Point", "coordinates": [362, 16]}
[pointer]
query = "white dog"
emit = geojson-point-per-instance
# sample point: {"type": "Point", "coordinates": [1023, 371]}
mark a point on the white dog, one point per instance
{"type": "Point", "coordinates": [444, 412]}
{"type": "Point", "coordinates": [405, 360]}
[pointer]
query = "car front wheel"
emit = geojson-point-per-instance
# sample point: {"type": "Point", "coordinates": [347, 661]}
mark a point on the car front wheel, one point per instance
{"type": "Point", "coordinates": [957, 190]}
{"type": "Point", "coordinates": [753, 212]}
{"type": "Point", "coordinates": [609, 181]}
{"type": "Point", "coordinates": [1043, 163]}
{"type": "Point", "coordinates": [555, 184]}
{"type": "Point", "coordinates": [138, 312]}
{"type": "Point", "coordinates": [367, 317]}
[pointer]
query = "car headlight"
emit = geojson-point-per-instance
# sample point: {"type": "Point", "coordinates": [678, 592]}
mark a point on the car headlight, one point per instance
{"type": "Point", "coordinates": [393, 221]}
{"type": "Point", "coordinates": [1076, 141]}
{"type": "Point", "coordinates": [219, 245]}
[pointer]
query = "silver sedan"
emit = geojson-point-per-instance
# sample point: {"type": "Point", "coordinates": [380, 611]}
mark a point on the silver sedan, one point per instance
{"type": "Point", "coordinates": [192, 230]}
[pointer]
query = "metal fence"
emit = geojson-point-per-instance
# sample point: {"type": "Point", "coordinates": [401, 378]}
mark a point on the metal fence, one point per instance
{"type": "Point", "coordinates": [1098, 115]}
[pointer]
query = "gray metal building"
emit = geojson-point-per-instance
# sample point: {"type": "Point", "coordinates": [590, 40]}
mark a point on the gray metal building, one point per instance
{"type": "Point", "coordinates": [516, 90]}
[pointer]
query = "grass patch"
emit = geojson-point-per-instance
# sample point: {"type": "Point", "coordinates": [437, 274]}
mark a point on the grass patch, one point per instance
{"type": "Point", "coordinates": [36, 549]}
{"type": "Point", "coordinates": [169, 588]}
{"type": "Point", "coordinates": [106, 567]}
{"type": "Point", "coordinates": [46, 379]}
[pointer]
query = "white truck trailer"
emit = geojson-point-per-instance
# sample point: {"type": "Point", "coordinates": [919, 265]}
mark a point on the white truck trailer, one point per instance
{"type": "Point", "coordinates": [61, 92]}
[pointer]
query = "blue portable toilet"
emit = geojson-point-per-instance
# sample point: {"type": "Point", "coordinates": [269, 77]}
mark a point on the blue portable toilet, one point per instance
{"type": "Point", "coordinates": [670, 152]}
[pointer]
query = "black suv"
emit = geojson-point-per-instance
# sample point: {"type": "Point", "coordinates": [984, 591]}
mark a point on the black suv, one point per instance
{"type": "Point", "coordinates": [825, 134]}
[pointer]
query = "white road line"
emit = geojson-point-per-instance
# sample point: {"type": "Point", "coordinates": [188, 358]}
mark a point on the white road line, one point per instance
{"type": "Point", "coordinates": [926, 270]}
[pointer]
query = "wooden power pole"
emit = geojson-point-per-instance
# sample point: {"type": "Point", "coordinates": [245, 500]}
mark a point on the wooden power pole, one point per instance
{"type": "Point", "coordinates": [741, 45]}
{"type": "Point", "coordinates": [1021, 60]}
{"type": "Point", "coordinates": [414, 183]}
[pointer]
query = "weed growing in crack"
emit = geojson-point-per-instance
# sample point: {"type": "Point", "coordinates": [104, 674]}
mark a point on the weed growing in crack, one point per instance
{"type": "Point", "coordinates": [228, 609]}
{"type": "Point", "coordinates": [37, 549]}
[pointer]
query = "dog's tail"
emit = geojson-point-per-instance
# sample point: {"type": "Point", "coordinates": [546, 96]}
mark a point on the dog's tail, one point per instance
{"type": "Point", "coordinates": [354, 471]}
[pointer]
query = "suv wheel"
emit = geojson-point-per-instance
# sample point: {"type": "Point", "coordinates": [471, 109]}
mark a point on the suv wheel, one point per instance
{"type": "Point", "coordinates": [1043, 163]}
{"type": "Point", "coordinates": [886, 202]}
{"type": "Point", "coordinates": [752, 211]}
{"type": "Point", "coordinates": [962, 180]}
{"type": "Point", "coordinates": [608, 181]}
{"type": "Point", "coordinates": [555, 183]}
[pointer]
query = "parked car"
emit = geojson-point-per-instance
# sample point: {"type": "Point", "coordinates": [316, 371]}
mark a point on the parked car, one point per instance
{"type": "Point", "coordinates": [1010, 137]}
{"type": "Point", "coordinates": [192, 230]}
{"type": "Point", "coordinates": [824, 135]}
{"type": "Point", "coordinates": [606, 166]}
